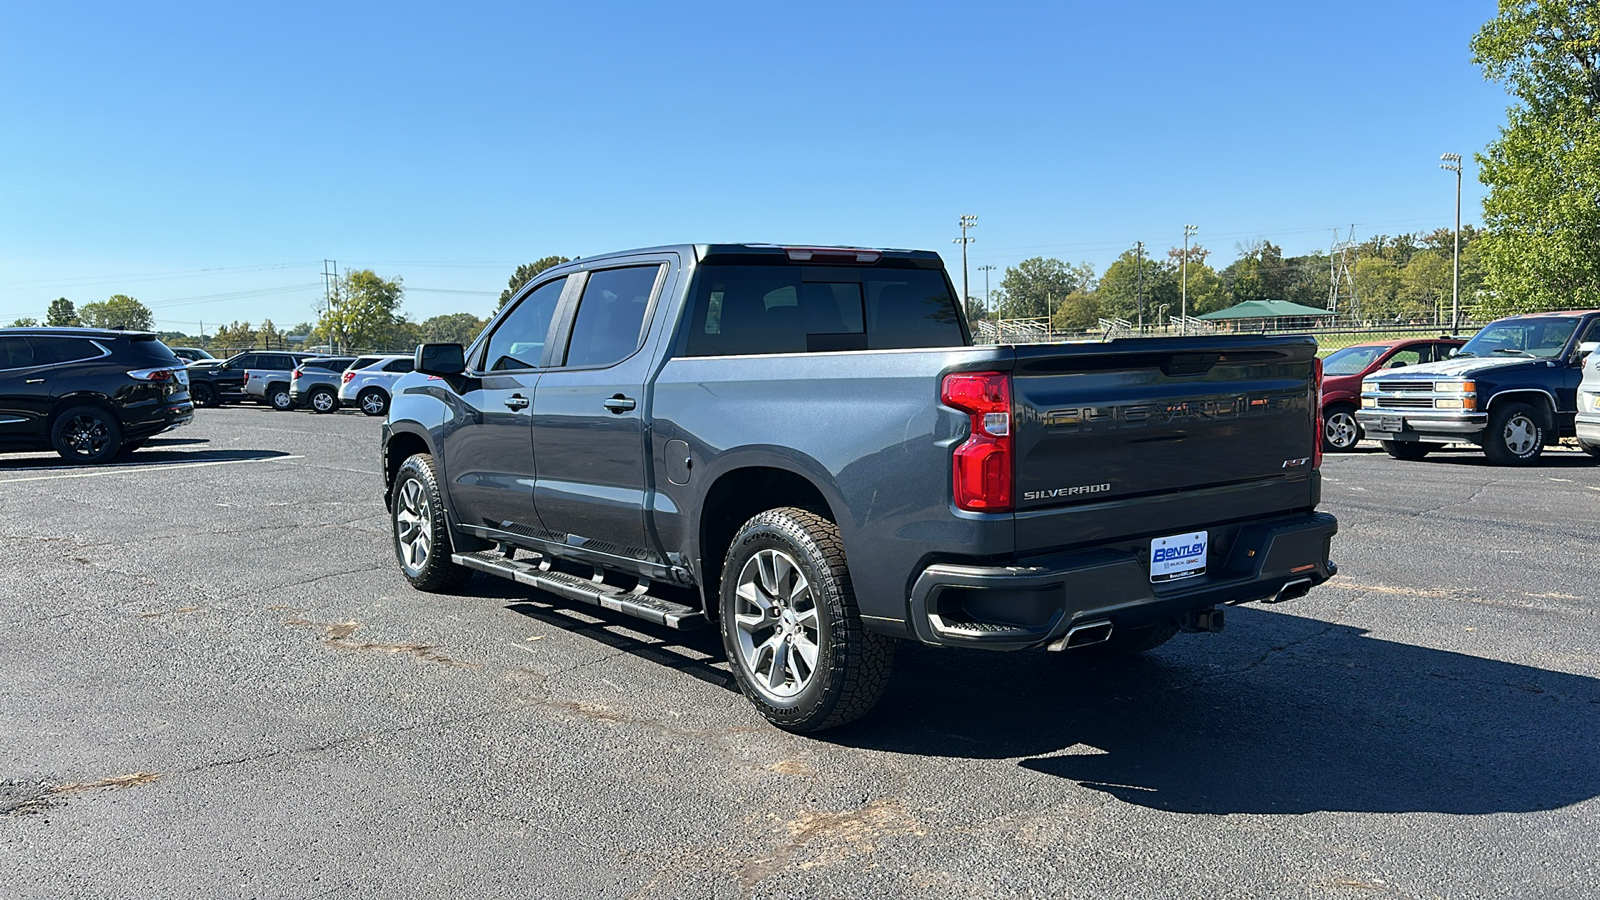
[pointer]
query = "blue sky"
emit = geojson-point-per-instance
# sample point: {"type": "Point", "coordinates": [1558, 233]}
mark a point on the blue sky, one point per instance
{"type": "Point", "coordinates": [206, 158]}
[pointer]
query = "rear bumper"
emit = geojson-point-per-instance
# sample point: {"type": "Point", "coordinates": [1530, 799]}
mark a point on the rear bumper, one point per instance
{"type": "Point", "coordinates": [1034, 603]}
{"type": "Point", "coordinates": [1588, 428]}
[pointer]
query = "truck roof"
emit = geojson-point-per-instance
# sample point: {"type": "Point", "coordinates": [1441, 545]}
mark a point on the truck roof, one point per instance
{"type": "Point", "coordinates": [704, 252]}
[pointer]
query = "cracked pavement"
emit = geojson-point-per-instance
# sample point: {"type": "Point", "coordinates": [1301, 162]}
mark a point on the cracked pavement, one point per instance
{"type": "Point", "coordinates": [215, 683]}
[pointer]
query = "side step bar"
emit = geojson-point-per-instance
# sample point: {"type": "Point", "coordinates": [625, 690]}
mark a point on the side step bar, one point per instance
{"type": "Point", "coordinates": [636, 602]}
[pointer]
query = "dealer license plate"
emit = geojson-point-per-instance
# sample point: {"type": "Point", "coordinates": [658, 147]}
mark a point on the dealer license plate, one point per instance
{"type": "Point", "coordinates": [1393, 424]}
{"type": "Point", "coordinates": [1178, 556]}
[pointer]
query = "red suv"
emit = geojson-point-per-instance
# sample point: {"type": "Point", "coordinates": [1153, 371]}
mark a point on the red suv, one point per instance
{"type": "Point", "coordinates": [1343, 370]}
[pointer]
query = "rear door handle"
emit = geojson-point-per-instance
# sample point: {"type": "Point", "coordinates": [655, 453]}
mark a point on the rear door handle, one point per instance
{"type": "Point", "coordinates": [619, 404]}
{"type": "Point", "coordinates": [34, 381]}
{"type": "Point", "coordinates": [517, 401]}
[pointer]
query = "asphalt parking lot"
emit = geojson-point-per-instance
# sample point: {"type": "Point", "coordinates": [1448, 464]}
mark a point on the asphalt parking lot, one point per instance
{"type": "Point", "coordinates": [215, 683]}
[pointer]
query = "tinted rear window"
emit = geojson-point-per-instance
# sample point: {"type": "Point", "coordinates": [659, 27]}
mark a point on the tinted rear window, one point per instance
{"type": "Point", "coordinates": [150, 348]}
{"type": "Point", "coordinates": [799, 309]}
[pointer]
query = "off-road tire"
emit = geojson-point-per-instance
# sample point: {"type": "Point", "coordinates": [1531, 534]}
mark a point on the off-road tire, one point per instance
{"type": "Point", "coordinates": [1340, 430]}
{"type": "Point", "coordinates": [322, 400]}
{"type": "Point", "coordinates": [88, 435]}
{"type": "Point", "coordinates": [203, 394]}
{"type": "Point", "coordinates": [416, 492]}
{"type": "Point", "coordinates": [1410, 451]}
{"type": "Point", "coordinates": [852, 664]}
{"type": "Point", "coordinates": [1515, 436]}
{"type": "Point", "coordinates": [1130, 642]}
{"type": "Point", "coordinates": [373, 402]}
{"type": "Point", "coordinates": [278, 397]}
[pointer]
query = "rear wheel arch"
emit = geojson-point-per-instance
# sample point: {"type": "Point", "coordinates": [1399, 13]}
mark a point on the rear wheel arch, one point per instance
{"type": "Point", "coordinates": [733, 499]}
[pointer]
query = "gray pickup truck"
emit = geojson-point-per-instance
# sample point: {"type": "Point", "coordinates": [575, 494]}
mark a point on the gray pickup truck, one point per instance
{"type": "Point", "coordinates": [802, 447]}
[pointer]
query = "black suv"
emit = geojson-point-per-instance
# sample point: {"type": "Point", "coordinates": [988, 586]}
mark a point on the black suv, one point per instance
{"type": "Point", "coordinates": [89, 393]}
{"type": "Point", "coordinates": [214, 381]}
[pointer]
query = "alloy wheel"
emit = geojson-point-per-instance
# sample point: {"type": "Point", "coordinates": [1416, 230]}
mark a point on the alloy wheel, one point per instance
{"type": "Point", "coordinates": [1341, 430]}
{"type": "Point", "coordinates": [1520, 435]}
{"type": "Point", "coordinates": [776, 617]}
{"type": "Point", "coordinates": [322, 401]}
{"type": "Point", "coordinates": [87, 436]}
{"type": "Point", "coordinates": [413, 526]}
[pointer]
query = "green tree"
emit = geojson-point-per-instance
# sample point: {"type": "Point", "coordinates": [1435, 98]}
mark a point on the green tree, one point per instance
{"type": "Point", "coordinates": [527, 273]}
{"type": "Point", "coordinates": [454, 328]}
{"type": "Point", "coordinates": [364, 312]}
{"type": "Point", "coordinates": [1378, 285]}
{"type": "Point", "coordinates": [119, 310]}
{"type": "Point", "coordinates": [1425, 286]}
{"type": "Point", "coordinates": [269, 336]}
{"type": "Point", "coordinates": [62, 312]}
{"type": "Point", "coordinates": [234, 336]}
{"type": "Point", "coordinates": [1543, 172]}
{"type": "Point", "coordinates": [1078, 311]}
{"type": "Point", "coordinates": [1127, 280]}
{"type": "Point", "coordinates": [25, 323]}
{"type": "Point", "coordinates": [1032, 287]}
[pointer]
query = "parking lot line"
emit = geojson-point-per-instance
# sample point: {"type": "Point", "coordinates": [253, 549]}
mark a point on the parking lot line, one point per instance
{"type": "Point", "coordinates": [157, 468]}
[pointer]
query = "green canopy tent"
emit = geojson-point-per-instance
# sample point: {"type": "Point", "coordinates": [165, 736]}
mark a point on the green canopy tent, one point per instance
{"type": "Point", "coordinates": [1267, 315]}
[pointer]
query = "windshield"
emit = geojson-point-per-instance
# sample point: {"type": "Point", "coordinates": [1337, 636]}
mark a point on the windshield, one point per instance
{"type": "Point", "coordinates": [1540, 337]}
{"type": "Point", "coordinates": [1351, 360]}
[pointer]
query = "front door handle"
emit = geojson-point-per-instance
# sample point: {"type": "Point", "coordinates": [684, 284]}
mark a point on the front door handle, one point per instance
{"type": "Point", "coordinates": [619, 404]}
{"type": "Point", "coordinates": [517, 401]}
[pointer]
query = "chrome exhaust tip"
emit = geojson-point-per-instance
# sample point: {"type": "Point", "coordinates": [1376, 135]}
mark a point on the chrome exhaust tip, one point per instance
{"type": "Point", "coordinates": [1297, 588]}
{"type": "Point", "coordinates": [1096, 632]}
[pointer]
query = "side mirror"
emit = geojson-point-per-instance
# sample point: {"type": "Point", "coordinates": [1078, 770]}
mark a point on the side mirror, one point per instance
{"type": "Point", "coordinates": [1453, 352]}
{"type": "Point", "coordinates": [1587, 347]}
{"type": "Point", "coordinates": [440, 359]}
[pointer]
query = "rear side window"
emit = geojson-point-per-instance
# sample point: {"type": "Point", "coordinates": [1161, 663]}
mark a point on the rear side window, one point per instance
{"type": "Point", "coordinates": [518, 341]}
{"type": "Point", "coordinates": [800, 309]}
{"type": "Point", "coordinates": [51, 350]}
{"type": "Point", "coordinates": [400, 365]}
{"type": "Point", "coordinates": [610, 317]}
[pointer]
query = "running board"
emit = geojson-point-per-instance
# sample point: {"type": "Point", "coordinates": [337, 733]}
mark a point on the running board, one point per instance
{"type": "Point", "coordinates": [636, 602]}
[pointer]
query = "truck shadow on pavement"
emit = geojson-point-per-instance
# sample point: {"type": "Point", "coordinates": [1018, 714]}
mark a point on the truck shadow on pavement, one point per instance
{"type": "Point", "coordinates": [1289, 715]}
{"type": "Point", "coordinates": [157, 452]}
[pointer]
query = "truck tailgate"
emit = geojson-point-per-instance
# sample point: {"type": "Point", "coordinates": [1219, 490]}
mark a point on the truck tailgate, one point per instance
{"type": "Point", "coordinates": [1166, 434]}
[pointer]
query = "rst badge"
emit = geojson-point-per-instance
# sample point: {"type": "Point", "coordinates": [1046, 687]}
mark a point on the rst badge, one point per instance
{"type": "Point", "coordinates": [1178, 556]}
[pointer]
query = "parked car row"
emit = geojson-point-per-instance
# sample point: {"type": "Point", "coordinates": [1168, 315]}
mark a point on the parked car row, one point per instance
{"type": "Point", "coordinates": [290, 380]}
{"type": "Point", "coordinates": [1519, 385]}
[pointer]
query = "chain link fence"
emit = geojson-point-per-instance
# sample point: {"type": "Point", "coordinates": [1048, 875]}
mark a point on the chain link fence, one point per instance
{"type": "Point", "coordinates": [1330, 337]}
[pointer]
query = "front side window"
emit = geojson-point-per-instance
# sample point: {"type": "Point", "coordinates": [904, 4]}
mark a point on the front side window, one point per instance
{"type": "Point", "coordinates": [518, 341]}
{"type": "Point", "coordinates": [15, 353]}
{"type": "Point", "coordinates": [1350, 360]}
{"type": "Point", "coordinates": [1408, 357]}
{"type": "Point", "coordinates": [610, 318]}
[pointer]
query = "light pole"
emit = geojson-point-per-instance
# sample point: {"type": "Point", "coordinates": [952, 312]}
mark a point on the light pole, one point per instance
{"type": "Point", "coordinates": [1138, 274]}
{"type": "Point", "coordinates": [1189, 231]}
{"type": "Point", "coordinates": [966, 222]}
{"type": "Point", "coordinates": [1452, 163]}
{"type": "Point", "coordinates": [986, 270]}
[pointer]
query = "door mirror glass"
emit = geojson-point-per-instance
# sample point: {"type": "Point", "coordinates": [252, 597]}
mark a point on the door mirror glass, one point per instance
{"type": "Point", "coordinates": [1587, 347]}
{"type": "Point", "coordinates": [441, 359]}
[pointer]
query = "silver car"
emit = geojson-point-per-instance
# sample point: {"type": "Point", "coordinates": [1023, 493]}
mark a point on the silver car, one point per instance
{"type": "Point", "coordinates": [1589, 401]}
{"type": "Point", "coordinates": [369, 388]}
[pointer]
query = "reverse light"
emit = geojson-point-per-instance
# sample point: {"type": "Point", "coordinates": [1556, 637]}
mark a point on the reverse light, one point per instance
{"type": "Point", "coordinates": [982, 467]}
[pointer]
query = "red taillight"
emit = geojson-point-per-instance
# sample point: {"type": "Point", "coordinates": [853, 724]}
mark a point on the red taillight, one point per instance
{"type": "Point", "coordinates": [1316, 412]}
{"type": "Point", "coordinates": [298, 372]}
{"type": "Point", "coordinates": [153, 374]}
{"type": "Point", "coordinates": [347, 376]}
{"type": "Point", "coordinates": [982, 466]}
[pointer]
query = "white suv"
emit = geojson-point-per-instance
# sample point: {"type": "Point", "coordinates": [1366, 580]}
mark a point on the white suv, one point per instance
{"type": "Point", "coordinates": [369, 388]}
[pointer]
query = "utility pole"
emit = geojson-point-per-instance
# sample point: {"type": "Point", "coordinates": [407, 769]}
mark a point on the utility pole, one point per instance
{"type": "Point", "coordinates": [986, 270]}
{"type": "Point", "coordinates": [1452, 163]}
{"type": "Point", "coordinates": [966, 222]}
{"type": "Point", "coordinates": [330, 292]}
{"type": "Point", "coordinates": [1189, 231]}
{"type": "Point", "coordinates": [1138, 271]}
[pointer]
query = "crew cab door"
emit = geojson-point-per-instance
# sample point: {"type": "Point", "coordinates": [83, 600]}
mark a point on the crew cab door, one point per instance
{"type": "Point", "coordinates": [589, 425]}
{"type": "Point", "coordinates": [488, 456]}
{"type": "Point", "coordinates": [24, 391]}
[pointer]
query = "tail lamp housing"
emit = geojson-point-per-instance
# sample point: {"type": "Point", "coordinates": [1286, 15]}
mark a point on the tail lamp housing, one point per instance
{"type": "Point", "coordinates": [983, 466]}
{"type": "Point", "coordinates": [1316, 412]}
